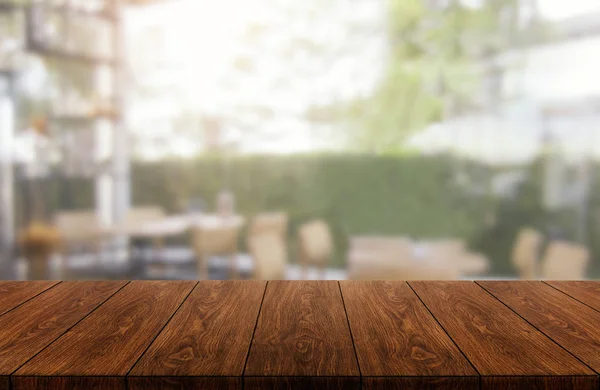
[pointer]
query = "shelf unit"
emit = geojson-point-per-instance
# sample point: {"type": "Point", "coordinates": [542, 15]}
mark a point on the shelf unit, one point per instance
{"type": "Point", "coordinates": [110, 141]}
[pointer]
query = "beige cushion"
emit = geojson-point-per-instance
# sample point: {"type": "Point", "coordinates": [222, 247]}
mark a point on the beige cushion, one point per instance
{"type": "Point", "coordinates": [269, 255]}
{"type": "Point", "coordinates": [565, 261]}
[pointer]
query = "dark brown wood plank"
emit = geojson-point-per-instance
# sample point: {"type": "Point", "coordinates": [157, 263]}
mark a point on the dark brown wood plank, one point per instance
{"type": "Point", "coordinates": [535, 383]}
{"type": "Point", "coordinates": [109, 341]}
{"type": "Point", "coordinates": [182, 382]}
{"type": "Point", "coordinates": [302, 331]}
{"type": "Point", "coordinates": [396, 338]}
{"type": "Point", "coordinates": [504, 348]}
{"type": "Point", "coordinates": [68, 382]}
{"type": "Point", "coordinates": [573, 325]}
{"type": "Point", "coordinates": [419, 383]}
{"type": "Point", "coordinates": [301, 383]}
{"type": "Point", "coordinates": [31, 327]}
{"type": "Point", "coordinates": [208, 337]}
{"type": "Point", "coordinates": [587, 292]}
{"type": "Point", "coordinates": [12, 294]}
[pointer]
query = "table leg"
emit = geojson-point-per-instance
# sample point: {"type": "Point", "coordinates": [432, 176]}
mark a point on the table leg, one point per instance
{"type": "Point", "coordinates": [202, 267]}
{"type": "Point", "coordinates": [233, 267]}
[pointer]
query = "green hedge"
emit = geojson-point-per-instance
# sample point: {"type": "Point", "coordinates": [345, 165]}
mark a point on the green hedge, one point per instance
{"type": "Point", "coordinates": [355, 194]}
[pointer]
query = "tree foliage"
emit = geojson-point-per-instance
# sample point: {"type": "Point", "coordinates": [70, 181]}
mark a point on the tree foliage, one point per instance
{"type": "Point", "coordinates": [434, 69]}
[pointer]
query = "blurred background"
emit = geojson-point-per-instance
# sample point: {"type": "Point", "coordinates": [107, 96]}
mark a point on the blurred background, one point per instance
{"type": "Point", "coordinates": [282, 139]}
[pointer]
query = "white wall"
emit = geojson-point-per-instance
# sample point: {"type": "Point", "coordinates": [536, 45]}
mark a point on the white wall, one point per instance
{"type": "Point", "coordinates": [569, 70]}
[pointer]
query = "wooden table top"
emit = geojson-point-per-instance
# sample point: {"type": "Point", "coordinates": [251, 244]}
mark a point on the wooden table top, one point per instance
{"type": "Point", "coordinates": [299, 334]}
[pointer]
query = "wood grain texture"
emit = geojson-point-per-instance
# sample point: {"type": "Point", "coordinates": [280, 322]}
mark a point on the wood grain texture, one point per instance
{"type": "Point", "coordinates": [31, 327]}
{"type": "Point", "coordinates": [301, 383]}
{"type": "Point", "coordinates": [395, 336]}
{"type": "Point", "coordinates": [302, 331]}
{"type": "Point", "coordinates": [573, 325]}
{"type": "Point", "coordinates": [209, 336]}
{"type": "Point", "coordinates": [4, 383]}
{"type": "Point", "coordinates": [587, 292]}
{"type": "Point", "coordinates": [113, 337]}
{"type": "Point", "coordinates": [12, 294]}
{"type": "Point", "coordinates": [71, 383]}
{"type": "Point", "coordinates": [184, 383]}
{"type": "Point", "coordinates": [496, 340]}
{"type": "Point", "coordinates": [421, 383]}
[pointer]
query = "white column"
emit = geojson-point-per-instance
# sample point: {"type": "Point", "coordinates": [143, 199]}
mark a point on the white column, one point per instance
{"type": "Point", "coordinates": [7, 233]}
{"type": "Point", "coordinates": [121, 159]}
{"type": "Point", "coordinates": [104, 135]}
{"type": "Point", "coordinates": [104, 181]}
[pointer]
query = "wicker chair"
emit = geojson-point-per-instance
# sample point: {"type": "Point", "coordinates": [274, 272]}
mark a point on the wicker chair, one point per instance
{"type": "Point", "coordinates": [269, 254]}
{"type": "Point", "coordinates": [80, 231]}
{"type": "Point", "coordinates": [215, 241]}
{"type": "Point", "coordinates": [78, 228]}
{"type": "Point", "coordinates": [315, 245]}
{"type": "Point", "coordinates": [525, 253]}
{"type": "Point", "coordinates": [269, 222]}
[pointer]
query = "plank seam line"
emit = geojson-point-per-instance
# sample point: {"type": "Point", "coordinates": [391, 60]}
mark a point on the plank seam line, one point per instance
{"type": "Point", "coordinates": [351, 335]}
{"type": "Point", "coordinates": [157, 334]}
{"type": "Point", "coordinates": [253, 332]}
{"type": "Point", "coordinates": [71, 327]}
{"type": "Point", "coordinates": [569, 295]}
{"type": "Point", "coordinates": [445, 331]}
{"type": "Point", "coordinates": [539, 330]}
{"type": "Point", "coordinates": [35, 296]}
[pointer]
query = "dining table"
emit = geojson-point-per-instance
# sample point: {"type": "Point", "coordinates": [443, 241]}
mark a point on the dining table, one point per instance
{"type": "Point", "coordinates": [178, 224]}
{"type": "Point", "coordinates": [158, 230]}
{"type": "Point", "coordinates": [490, 334]}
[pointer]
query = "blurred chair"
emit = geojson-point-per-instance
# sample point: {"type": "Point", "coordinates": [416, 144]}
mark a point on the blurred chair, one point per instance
{"type": "Point", "coordinates": [215, 241]}
{"type": "Point", "coordinates": [525, 253]}
{"type": "Point", "coordinates": [80, 231]}
{"type": "Point", "coordinates": [269, 254]}
{"type": "Point", "coordinates": [131, 226]}
{"type": "Point", "coordinates": [315, 245]}
{"type": "Point", "coordinates": [78, 228]}
{"type": "Point", "coordinates": [565, 261]}
{"type": "Point", "coordinates": [276, 223]}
